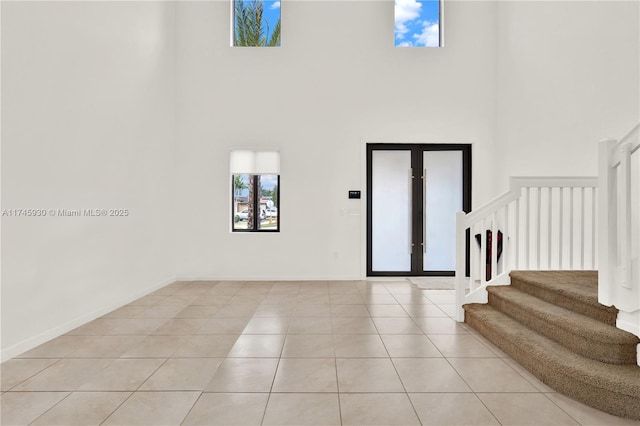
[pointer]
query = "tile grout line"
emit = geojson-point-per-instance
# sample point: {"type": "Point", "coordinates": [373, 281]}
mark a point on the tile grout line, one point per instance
{"type": "Point", "coordinates": [406, 393]}
{"type": "Point", "coordinates": [561, 409]}
{"type": "Point", "coordinates": [51, 408]}
{"type": "Point", "coordinates": [335, 363]}
{"type": "Point", "coordinates": [117, 408]}
{"type": "Point", "coordinates": [34, 374]}
{"type": "Point", "coordinates": [485, 406]}
{"type": "Point", "coordinates": [275, 373]}
{"type": "Point", "coordinates": [192, 407]}
{"type": "Point", "coordinates": [472, 390]}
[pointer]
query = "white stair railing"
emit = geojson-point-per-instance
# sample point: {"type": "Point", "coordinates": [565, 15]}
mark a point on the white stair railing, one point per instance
{"type": "Point", "coordinates": [619, 212]}
{"type": "Point", "coordinates": [541, 223]}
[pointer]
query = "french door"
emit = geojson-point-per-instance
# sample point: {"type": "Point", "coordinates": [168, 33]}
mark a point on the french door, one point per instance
{"type": "Point", "coordinates": [413, 194]}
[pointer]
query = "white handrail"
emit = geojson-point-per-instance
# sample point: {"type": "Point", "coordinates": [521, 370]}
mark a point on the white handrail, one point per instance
{"type": "Point", "coordinates": [632, 136]}
{"type": "Point", "coordinates": [540, 223]}
{"type": "Point", "coordinates": [614, 153]}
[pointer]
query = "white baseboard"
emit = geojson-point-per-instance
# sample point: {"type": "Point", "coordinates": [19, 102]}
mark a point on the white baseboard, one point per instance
{"type": "Point", "coordinates": [269, 278]}
{"type": "Point", "coordinates": [32, 342]}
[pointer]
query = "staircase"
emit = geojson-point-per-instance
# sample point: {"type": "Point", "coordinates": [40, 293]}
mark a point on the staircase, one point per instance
{"type": "Point", "coordinates": [552, 324]}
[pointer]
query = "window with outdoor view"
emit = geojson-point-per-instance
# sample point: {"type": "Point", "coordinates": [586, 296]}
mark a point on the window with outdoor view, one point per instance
{"type": "Point", "coordinates": [255, 184]}
{"type": "Point", "coordinates": [418, 23]}
{"type": "Point", "coordinates": [256, 23]}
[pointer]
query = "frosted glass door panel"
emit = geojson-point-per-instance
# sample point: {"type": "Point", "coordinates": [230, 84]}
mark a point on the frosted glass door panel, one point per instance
{"type": "Point", "coordinates": [443, 199]}
{"type": "Point", "coordinates": [391, 211]}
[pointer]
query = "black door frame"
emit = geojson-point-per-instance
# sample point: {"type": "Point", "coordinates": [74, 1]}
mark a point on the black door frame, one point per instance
{"type": "Point", "coordinates": [417, 197]}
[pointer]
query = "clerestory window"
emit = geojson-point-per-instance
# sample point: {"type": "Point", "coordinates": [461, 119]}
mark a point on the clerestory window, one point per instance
{"type": "Point", "coordinates": [256, 23]}
{"type": "Point", "coordinates": [418, 23]}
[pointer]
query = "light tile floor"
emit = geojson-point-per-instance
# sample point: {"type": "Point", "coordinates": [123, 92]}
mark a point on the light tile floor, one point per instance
{"type": "Point", "coordinates": [280, 353]}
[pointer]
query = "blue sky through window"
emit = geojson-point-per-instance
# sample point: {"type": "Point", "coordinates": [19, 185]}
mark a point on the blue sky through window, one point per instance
{"type": "Point", "coordinates": [270, 17]}
{"type": "Point", "coordinates": [417, 23]}
{"type": "Point", "coordinates": [271, 14]}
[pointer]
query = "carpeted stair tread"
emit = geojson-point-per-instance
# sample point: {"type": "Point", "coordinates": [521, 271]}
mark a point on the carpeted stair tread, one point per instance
{"type": "Point", "coordinates": [587, 336]}
{"type": "Point", "coordinates": [574, 290]}
{"type": "Point", "coordinates": [611, 388]}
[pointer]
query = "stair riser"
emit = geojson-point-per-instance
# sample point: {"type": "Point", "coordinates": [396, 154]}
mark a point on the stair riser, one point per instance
{"type": "Point", "coordinates": [614, 403]}
{"type": "Point", "coordinates": [599, 313]}
{"type": "Point", "coordinates": [599, 351]}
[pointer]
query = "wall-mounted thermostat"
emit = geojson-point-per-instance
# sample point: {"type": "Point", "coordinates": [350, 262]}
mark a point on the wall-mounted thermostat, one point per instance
{"type": "Point", "coordinates": [354, 194]}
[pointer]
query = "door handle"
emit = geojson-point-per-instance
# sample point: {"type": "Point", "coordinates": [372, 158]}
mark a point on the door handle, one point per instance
{"type": "Point", "coordinates": [411, 178]}
{"type": "Point", "coordinates": [424, 210]}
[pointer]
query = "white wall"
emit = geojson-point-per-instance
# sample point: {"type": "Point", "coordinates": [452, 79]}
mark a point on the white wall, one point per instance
{"type": "Point", "coordinates": [336, 83]}
{"type": "Point", "coordinates": [87, 122]}
{"type": "Point", "coordinates": [568, 76]}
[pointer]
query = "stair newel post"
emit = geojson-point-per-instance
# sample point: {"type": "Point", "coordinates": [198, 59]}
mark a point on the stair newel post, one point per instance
{"type": "Point", "coordinates": [607, 214]}
{"type": "Point", "coordinates": [625, 216]}
{"type": "Point", "coordinates": [461, 255]}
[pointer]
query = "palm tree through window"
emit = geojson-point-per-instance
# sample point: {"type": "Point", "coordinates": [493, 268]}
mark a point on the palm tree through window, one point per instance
{"type": "Point", "coordinates": [256, 23]}
{"type": "Point", "coordinates": [256, 202]}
